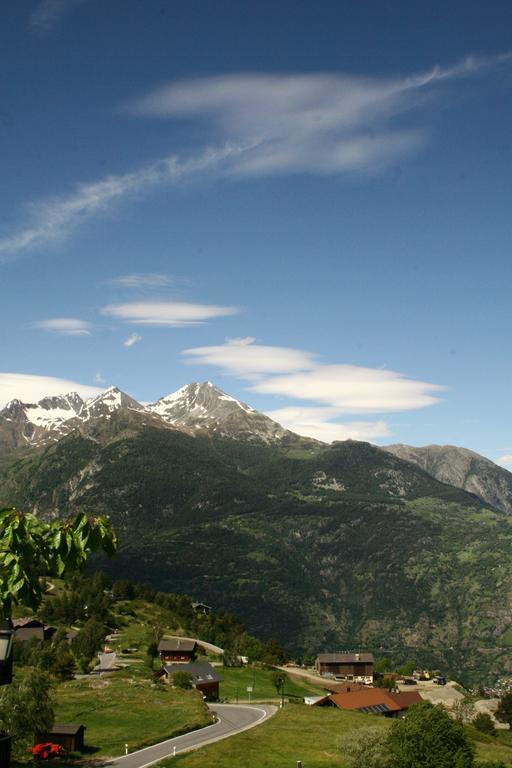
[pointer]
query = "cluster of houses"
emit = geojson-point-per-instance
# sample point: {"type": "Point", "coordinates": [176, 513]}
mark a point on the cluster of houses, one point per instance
{"type": "Point", "coordinates": [349, 685]}
{"type": "Point", "coordinates": [179, 655]}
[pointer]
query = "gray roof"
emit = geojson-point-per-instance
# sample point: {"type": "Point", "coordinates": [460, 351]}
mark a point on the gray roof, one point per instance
{"type": "Point", "coordinates": [345, 658]}
{"type": "Point", "coordinates": [66, 729]}
{"type": "Point", "coordinates": [201, 671]}
{"type": "Point", "coordinates": [177, 644]}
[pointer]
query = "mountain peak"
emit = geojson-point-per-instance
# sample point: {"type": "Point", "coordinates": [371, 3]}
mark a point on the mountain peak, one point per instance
{"type": "Point", "coordinates": [205, 407]}
{"type": "Point", "coordinates": [112, 399]}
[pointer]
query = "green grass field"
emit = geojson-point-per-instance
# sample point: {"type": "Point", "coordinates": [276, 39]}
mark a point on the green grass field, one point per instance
{"type": "Point", "coordinates": [298, 732]}
{"type": "Point", "coordinates": [124, 709]}
{"type": "Point", "coordinates": [235, 681]}
{"type": "Point", "coordinates": [310, 734]}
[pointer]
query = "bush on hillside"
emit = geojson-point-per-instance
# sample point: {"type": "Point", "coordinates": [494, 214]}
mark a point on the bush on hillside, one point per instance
{"type": "Point", "coordinates": [182, 680]}
{"type": "Point", "coordinates": [484, 723]}
{"type": "Point", "coordinates": [428, 736]}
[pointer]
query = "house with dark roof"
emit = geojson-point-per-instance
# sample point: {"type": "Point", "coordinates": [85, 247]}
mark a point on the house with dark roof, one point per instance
{"type": "Point", "coordinates": [177, 650]}
{"type": "Point", "coordinates": [71, 737]}
{"type": "Point", "coordinates": [29, 628]}
{"type": "Point", "coordinates": [346, 666]}
{"type": "Point", "coordinates": [204, 677]}
{"type": "Point", "coordinates": [376, 701]}
{"type": "Point", "coordinates": [202, 608]}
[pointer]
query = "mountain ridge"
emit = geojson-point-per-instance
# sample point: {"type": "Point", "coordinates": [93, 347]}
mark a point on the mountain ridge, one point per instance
{"type": "Point", "coordinates": [461, 468]}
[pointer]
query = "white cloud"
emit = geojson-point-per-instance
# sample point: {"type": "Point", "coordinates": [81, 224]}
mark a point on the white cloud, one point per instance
{"type": "Point", "coordinates": [65, 326]}
{"type": "Point", "coordinates": [241, 357]}
{"type": "Point", "coordinates": [30, 388]}
{"type": "Point", "coordinates": [316, 422]}
{"type": "Point", "coordinates": [505, 460]}
{"type": "Point", "coordinates": [312, 123]}
{"type": "Point", "coordinates": [47, 14]}
{"type": "Point", "coordinates": [265, 124]}
{"type": "Point", "coordinates": [142, 280]}
{"type": "Point", "coordinates": [173, 313]}
{"type": "Point", "coordinates": [98, 378]}
{"type": "Point", "coordinates": [336, 390]}
{"type": "Point", "coordinates": [53, 219]}
{"type": "Point", "coordinates": [353, 389]}
{"type": "Point", "coordinates": [131, 340]}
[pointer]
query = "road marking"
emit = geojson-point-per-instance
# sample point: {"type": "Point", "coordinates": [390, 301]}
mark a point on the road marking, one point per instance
{"type": "Point", "coordinates": [264, 714]}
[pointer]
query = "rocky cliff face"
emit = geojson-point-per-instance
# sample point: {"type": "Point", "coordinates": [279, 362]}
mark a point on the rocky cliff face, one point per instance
{"type": "Point", "coordinates": [464, 469]}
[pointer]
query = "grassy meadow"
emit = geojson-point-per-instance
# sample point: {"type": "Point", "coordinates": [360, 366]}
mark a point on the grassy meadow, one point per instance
{"type": "Point", "coordinates": [128, 709]}
{"type": "Point", "coordinates": [235, 681]}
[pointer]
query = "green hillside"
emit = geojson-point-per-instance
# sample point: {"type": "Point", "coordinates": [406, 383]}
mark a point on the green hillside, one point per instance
{"type": "Point", "coordinates": [320, 547]}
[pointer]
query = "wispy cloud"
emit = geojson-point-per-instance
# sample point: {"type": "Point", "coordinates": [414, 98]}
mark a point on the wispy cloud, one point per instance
{"type": "Point", "coordinates": [320, 123]}
{"type": "Point", "coordinates": [336, 390]}
{"type": "Point", "coordinates": [260, 124]}
{"type": "Point", "coordinates": [505, 461]}
{"type": "Point", "coordinates": [132, 339]}
{"type": "Point", "coordinates": [172, 313]}
{"type": "Point", "coordinates": [54, 219]}
{"type": "Point", "coordinates": [65, 326]}
{"type": "Point", "coordinates": [48, 13]}
{"type": "Point", "coordinates": [99, 378]}
{"type": "Point", "coordinates": [142, 280]}
{"type": "Point", "coordinates": [30, 388]}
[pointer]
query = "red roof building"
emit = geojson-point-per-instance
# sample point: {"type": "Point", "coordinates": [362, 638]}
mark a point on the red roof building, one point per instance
{"type": "Point", "coordinates": [377, 701]}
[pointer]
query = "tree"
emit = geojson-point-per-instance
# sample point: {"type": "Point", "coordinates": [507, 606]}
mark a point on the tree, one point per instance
{"type": "Point", "coordinates": [483, 722]}
{"type": "Point", "coordinates": [182, 679]}
{"type": "Point", "coordinates": [30, 547]}
{"type": "Point", "coordinates": [464, 711]}
{"type": "Point", "coordinates": [366, 747]}
{"type": "Point", "coordinates": [278, 680]}
{"type": "Point", "coordinates": [272, 653]}
{"type": "Point", "coordinates": [428, 738]}
{"type": "Point", "coordinates": [88, 641]}
{"type": "Point", "coordinates": [504, 710]}
{"type": "Point", "coordinates": [26, 708]}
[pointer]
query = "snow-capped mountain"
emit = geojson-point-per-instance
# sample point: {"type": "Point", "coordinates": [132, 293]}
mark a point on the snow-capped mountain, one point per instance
{"type": "Point", "coordinates": [33, 423]}
{"type": "Point", "coordinates": [109, 401]}
{"type": "Point", "coordinates": [206, 407]}
{"type": "Point", "coordinates": [194, 408]}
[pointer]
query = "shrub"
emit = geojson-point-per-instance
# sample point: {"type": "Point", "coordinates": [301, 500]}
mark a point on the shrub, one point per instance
{"type": "Point", "coordinates": [484, 723]}
{"type": "Point", "coordinates": [182, 679]}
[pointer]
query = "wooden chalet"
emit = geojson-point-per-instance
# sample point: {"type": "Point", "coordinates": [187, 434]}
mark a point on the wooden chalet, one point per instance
{"type": "Point", "coordinates": [376, 701]}
{"type": "Point", "coordinates": [204, 677]}
{"type": "Point", "coordinates": [70, 737]}
{"type": "Point", "coordinates": [202, 608]}
{"type": "Point", "coordinates": [29, 628]}
{"type": "Point", "coordinates": [177, 650]}
{"type": "Point", "coordinates": [346, 666]}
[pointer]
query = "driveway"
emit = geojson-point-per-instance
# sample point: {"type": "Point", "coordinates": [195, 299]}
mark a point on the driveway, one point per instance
{"type": "Point", "coordinates": [231, 719]}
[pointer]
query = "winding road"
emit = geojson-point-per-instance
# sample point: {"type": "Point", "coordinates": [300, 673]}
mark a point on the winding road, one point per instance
{"type": "Point", "coordinates": [231, 719]}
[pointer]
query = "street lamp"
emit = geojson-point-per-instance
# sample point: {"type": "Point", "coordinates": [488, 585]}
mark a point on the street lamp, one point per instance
{"type": "Point", "coordinates": [6, 643]}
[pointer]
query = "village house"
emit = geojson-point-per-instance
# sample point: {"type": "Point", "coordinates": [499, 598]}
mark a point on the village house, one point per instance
{"type": "Point", "coordinates": [177, 650]}
{"type": "Point", "coordinates": [202, 608]}
{"type": "Point", "coordinates": [29, 628]}
{"type": "Point", "coordinates": [376, 701]}
{"type": "Point", "coordinates": [204, 677]}
{"type": "Point", "coordinates": [346, 666]}
{"type": "Point", "coordinates": [70, 737]}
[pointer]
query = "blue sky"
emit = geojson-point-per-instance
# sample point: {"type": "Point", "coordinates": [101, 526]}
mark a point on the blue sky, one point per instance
{"type": "Point", "coordinates": [306, 203]}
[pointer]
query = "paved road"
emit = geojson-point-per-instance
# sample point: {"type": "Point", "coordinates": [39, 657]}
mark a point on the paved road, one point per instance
{"type": "Point", "coordinates": [232, 718]}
